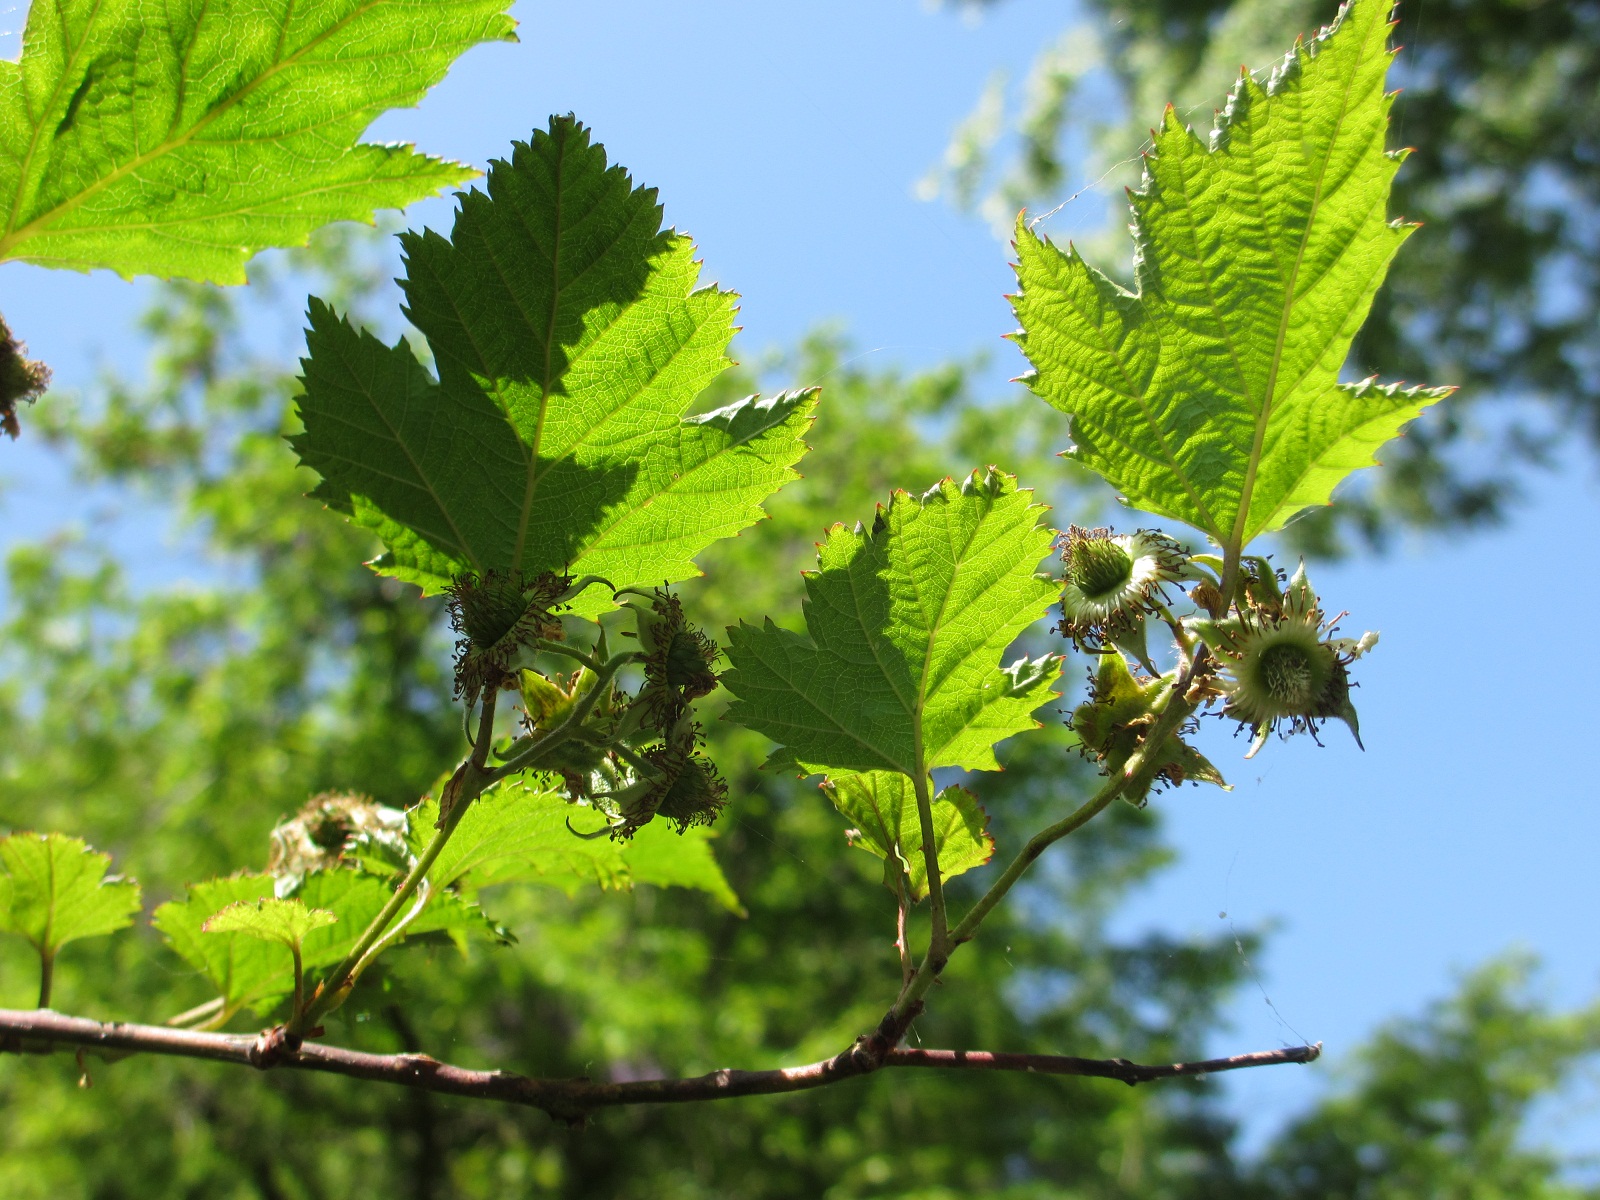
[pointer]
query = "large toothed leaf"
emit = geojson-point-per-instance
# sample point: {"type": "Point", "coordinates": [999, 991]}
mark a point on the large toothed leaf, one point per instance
{"type": "Point", "coordinates": [882, 807]}
{"type": "Point", "coordinates": [54, 890]}
{"type": "Point", "coordinates": [1213, 395]}
{"type": "Point", "coordinates": [177, 139]}
{"type": "Point", "coordinates": [571, 337]}
{"type": "Point", "coordinates": [523, 831]}
{"type": "Point", "coordinates": [899, 669]}
{"type": "Point", "coordinates": [244, 971]}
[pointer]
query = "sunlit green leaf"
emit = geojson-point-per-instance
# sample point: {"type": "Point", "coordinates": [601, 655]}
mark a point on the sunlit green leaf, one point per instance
{"type": "Point", "coordinates": [244, 971]}
{"type": "Point", "coordinates": [571, 336]}
{"type": "Point", "coordinates": [286, 922]}
{"type": "Point", "coordinates": [54, 890]}
{"type": "Point", "coordinates": [882, 807]}
{"type": "Point", "coordinates": [906, 622]}
{"type": "Point", "coordinates": [178, 139]}
{"type": "Point", "coordinates": [1212, 395]}
{"type": "Point", "coordinates": [518, 832]}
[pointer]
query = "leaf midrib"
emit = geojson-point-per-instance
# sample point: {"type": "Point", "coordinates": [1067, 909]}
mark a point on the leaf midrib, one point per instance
{"type": "Point", "coordinates": [1241, 519]}
{"type": "Point", "coordinates": [22, 234]}
{"type": "Point", "coordinates": [933, 631]}
{"type": "Point", "coordinates": [532, 483]}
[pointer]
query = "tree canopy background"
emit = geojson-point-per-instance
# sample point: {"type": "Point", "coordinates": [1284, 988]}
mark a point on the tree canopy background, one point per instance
{"type": "Point", "coordinates": [176, 722]}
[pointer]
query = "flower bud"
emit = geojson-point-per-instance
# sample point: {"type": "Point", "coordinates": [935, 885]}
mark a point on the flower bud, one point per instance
{"type": "Point", "coordinates": [678, 658]}
{"type": "Point", "coordinates": [1280, 667]}
{"type": "Point", "coordinates": [1111, 582]}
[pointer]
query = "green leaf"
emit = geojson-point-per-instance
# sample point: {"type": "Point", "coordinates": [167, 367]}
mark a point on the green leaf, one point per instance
{"type": "Point", "coordinates": [286, 922]}
{"type": "Point", "coordinates": [882, 805]}
{"type": "Point", "coordinates": [244, 971]}
{"type": "Point", "coordinates": [660, 856]}
{"type": "Point", "coordinates": [570, 337]}
{"type": "Point", "coordinates": [906, 623]}
{"type": "Point", "coordinates": [55, 891]}
{"type": "Point", "coordinates": [178, 139]}
{"type": "Point", "coordinates": [1212, 395]}
{"type": "Point", "coordinates": [517, 832]}
{"type": "Point", "coordinates": [208, 929]}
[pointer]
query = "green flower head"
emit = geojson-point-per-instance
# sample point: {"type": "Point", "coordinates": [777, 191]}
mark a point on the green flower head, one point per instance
{"type": "Point", "coordinates": [1113, 581]}
{"type": "Point", "coordinates": [1280, 666]}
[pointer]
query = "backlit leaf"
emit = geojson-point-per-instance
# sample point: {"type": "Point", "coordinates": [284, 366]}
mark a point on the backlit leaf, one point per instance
{"type": "Point", "coordinates": [286, 922]}
{"type": "Point", "coordinates": [246, 972]}
{"type": "Point", "coordinates": [177, 139]}
{"type": "Point", "coordinates": [882, 807]}
{"type": "Point", "coordinates": [54, 890]}
{"type": "Point", "coordinates": [518, 832]}
{"type": "Point", "coordinates": [571, 336]}
{"type": "Point", "coordinates": [1212, 395]}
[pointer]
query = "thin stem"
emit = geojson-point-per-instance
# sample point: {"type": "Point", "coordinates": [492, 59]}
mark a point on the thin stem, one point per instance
{"type": "Point", "coordinates": [331, 991]}
{"type": "Point", "coordinates": [562, 648]}
{"type": "Point", "coordinates": [47, 972]}
{"type": "Point", "coordinates": [939, 939]}
{"type": "Point", "coordinates": [397, 930]}
{"type": "Point", "coordinates": [902, 940]}
{"type": "Point", "coordinates": [1137, 768]}
{"type": "Point", "coordinates": [472, 779]}
{"type": "Point", "coordinates": [580, 712]}
{"type": "Point", "coordinates": [299, 979]}
{"type": "Point", "coordinates": [31, 1031]}
{"type": "Point", "coordinates": [199, 1013]}
{"type": "Point", "coordinates": [1230, 578]}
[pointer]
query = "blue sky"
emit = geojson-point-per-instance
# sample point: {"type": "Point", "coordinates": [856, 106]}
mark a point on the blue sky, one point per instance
{"type": "Point", "coordinates": [787, 139]}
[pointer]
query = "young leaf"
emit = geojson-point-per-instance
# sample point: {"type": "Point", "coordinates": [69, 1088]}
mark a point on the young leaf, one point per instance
{"type": "Point", "coordinates": [882, 805]}
{"type": "Point", "coordinates": [270, 919]}
{"type": "Point", "coordinates": [179, 139]}
{"type": "Point", "coordinates": [244, 971]}
{"type": "Point", "coordinates": [570, 337]}
{"type": "Point", "coordinates": [1213, 395]}
{"type": "Point", "coordinates": [54, 891]}
{"type": "Point", "coordinates": [900, 667]}
{"type": "Point", "coordinates": [517, 832]}
{"type": "Point", "coordinates": [356, 897]}
{"type": "Point", "coordinates": [249, 972]}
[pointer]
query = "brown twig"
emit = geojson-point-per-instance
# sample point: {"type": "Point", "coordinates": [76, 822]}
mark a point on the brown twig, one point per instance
{"type": "Point", "coordinates": [40, 1031]}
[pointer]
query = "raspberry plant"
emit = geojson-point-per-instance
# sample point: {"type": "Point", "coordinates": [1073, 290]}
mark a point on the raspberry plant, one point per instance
{"type": "Point", "coordinates": [549, 476]}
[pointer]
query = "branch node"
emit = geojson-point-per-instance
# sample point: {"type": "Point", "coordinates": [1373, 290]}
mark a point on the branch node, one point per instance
{"type": "Point", "coordinates": [272, 1047]}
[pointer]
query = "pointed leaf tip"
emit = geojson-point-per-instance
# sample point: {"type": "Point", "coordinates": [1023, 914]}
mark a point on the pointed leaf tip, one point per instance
{"type": "Point", "coordinates": [1212, 394]}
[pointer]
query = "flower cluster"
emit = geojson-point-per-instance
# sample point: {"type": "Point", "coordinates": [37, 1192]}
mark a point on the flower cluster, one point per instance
{"type": "Point", "coordinates": [1274, 660]}
{"type": "Point", "coordinates": [634, 756]}
{"type": "Point", "coordinates": [1112, 582]}
{"type": "Point", "coordinates": [678, 657]}
{"type": "Point", "coordinates": [501, 614]}
{"type": "Point", "coordinates": [336, 829]}
{"type": "Point", "coordinates": [1112, 722]}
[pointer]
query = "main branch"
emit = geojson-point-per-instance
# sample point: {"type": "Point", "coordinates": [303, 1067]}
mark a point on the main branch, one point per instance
{"type": "Point", "coordinates": [41, 1031]}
